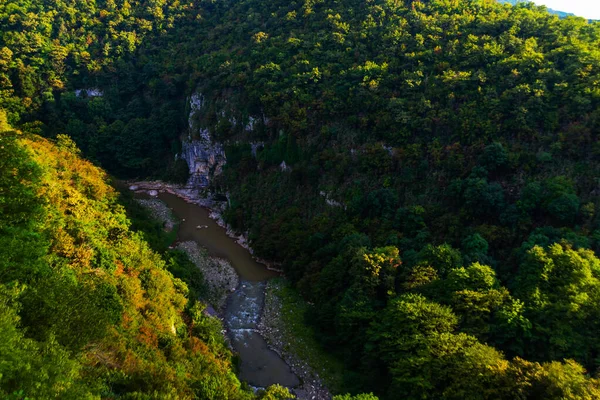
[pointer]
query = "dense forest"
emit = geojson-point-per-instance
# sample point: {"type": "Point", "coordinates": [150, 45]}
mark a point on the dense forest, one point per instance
{"type": "Point", "coordinates": [427, 177]}
{"type": "Point", "coordinates": [88, 310]}
{"type": "Point", "coordinates": [92, 302]}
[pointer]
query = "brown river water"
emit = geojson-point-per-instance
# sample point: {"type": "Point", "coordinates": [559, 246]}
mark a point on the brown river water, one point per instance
{"type": "Point", "coordinates": [259, 365]}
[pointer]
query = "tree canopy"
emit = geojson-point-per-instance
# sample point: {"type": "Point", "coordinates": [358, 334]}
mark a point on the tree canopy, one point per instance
{"type": "Point", "coordinates": [425, 172]}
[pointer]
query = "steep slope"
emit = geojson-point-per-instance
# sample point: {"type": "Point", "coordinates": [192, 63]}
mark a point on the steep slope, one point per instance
{"type": "Point", "coordinates": [441, 161]}
{"type": "Point", "coordinates": [87, 309]}
{"type": "Point", "coordinates": [426, 172]}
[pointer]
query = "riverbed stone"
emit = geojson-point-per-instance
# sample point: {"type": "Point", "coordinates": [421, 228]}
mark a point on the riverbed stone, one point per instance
{"type": "Point", "coordinates": [159, 211]}
{"type": "Point", "coordinates": [224, 280]}
{"type": "Point", "coordinates": [220, 276]}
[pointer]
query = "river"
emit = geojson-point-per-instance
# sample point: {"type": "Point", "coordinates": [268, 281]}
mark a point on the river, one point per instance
{"type": "Point", "coordinates": [259, 365]}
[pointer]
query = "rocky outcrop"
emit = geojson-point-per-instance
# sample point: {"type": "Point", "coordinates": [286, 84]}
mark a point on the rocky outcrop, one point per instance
{"type": "Point", "coordinates": [204, 157]}
{"type": "Point", "coordinates": [250, 125]}
{"type": "Point", "coordinates": [255, 146]}
{"type": "Point", "coordinates": [89, 92]}
{"type": "Point", "coordinates": [331, 202]}
{"type": "Point", "coordinates": [205, 160]}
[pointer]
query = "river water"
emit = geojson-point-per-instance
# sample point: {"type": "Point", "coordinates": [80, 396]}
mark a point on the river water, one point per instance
{"type": "Point", "coordinates": [259, 365]}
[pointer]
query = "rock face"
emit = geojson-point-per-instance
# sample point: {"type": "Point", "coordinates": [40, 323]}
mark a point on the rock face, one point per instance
{"type": "Point", "coordinates": [255, 146]}
{"type": "Point", "coordinates": [204, 157]}
{"type": "Point", "coordinates": [92, 92]}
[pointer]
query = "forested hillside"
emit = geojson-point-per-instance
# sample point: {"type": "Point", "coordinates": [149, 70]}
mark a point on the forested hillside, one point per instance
{"type": "Point", "coordinates": [438, 204]}
{"type": "Point", "coordinates": [87, 309]}
{"type": "Point", "coordinates": [440, 210]}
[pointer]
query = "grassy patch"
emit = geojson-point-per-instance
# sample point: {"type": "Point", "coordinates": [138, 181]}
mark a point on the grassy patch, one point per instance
{"type": "Point", "coordinates": [301, 337]}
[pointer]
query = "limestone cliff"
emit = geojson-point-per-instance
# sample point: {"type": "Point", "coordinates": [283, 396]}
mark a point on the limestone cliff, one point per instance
{"type": "Point", "coordinates": [205, 158]}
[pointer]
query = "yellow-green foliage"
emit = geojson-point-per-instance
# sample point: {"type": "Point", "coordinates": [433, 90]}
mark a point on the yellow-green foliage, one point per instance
{"type": "Point", "coordinates": [97, 314]}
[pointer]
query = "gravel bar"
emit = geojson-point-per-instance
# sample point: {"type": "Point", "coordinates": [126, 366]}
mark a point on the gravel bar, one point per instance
{"type": "Point", "coordinates": [219, 274]}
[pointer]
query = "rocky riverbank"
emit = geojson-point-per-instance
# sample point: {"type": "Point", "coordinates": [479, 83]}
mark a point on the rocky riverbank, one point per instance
{"type": "Point", "coordinates": [220, 276]}
{"type": "Point", "coordinates": [160, 212]}
{"type": "Point", "coordinates": [276, 333]}
{"type": "Point", "coordinates": [188, 193]}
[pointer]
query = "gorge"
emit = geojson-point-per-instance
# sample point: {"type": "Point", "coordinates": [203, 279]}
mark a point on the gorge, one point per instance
{"type": "Point", "coordinates": [423, 174]}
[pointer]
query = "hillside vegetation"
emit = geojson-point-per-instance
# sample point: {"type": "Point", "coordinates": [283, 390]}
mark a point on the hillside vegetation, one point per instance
{"type": "Point", "coordinates": [439, 208]}
{"type": "Point", "coordinates": [87, 309]}
{"type": "Point", "coordinates": [458, 141]}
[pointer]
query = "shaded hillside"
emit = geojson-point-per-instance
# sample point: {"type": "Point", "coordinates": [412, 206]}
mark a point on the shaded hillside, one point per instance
{"type": "Point", "coordinates": [441, 162]}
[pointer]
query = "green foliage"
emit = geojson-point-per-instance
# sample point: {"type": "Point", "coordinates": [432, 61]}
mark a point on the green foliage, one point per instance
{"type": "Point", "coordinates": [413, 130]}
{"type": "Point", "coordinates": [275, 392]}
{"type": "Point", "coordinates": [555, 282]}
{"type": "Point", "coordinates": [443, 258]}
{"type": "Point", "coordinates": [35, 369]}
{"type": "Point", "coordinates": [178, 263]}
{"type": "Point", "coordinates": [22, 246]}
{"type": "Point", "coordinates": [494, 157]}
{"type": "Point", "coordinates": [301, 337]}
{"type": "Point", "coordinates": [414, 339]}
{"type": "Point", "coordinates": [19, 180]}
{"type": "Point", "coordinates": [74, 314]}
{"type": "Point", "coordinates": [88, 310]}
{"type": "Point", "coordinates": [362, 396]}
{"type": "Point", "coordinates": [153, 231]}
{"type": "Point", "coordinates": [178, 172]}
{"type": "Point", "coordinates": [475, 248]}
